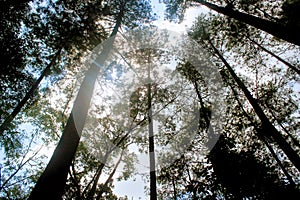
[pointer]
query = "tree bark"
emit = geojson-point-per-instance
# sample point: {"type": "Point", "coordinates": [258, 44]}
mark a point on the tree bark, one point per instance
{"type": "Point", "coordinates": [281, 31]}
{"type": "Point", "coordinates": [29, 94]}
{"type": "Point", "coordinates": [52, 182]}
{"type": "Point", "coordinates": [277, 57]}
{"type": "Point", "coordinates": [153, 194]}
{"type": "Point", "coordinates": [267, 127]}
{"type": "Point", "coordinates": [262, 138]}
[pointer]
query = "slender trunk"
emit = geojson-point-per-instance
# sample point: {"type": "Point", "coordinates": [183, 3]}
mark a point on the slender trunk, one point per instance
{"type": "Point", "coordinates": [174, 189]}
{"type": "Point", "coordinates": [268, 129]}
{"type": "Point", "coordinates": [20, 166]}
{"type": "Point", "coordinates": [262, 138]}
{"type": "Point", "coordinates": [295, 141]}
{"type": "Point", "coordinates": [210, 132]}
{"type": "Point", "coordinates": [278, 30]}
{"type": "Point", "coordinates": [286, 173]}
{"type": "Point", "coordinates": [29, 94]}
{"type": "Point", "coordinates": [95, 181]}
{"type": "Point", "coordinates": [109, 179]}
{"type": "Point", "coordinates": [277, 57]}
{"type": "Point", "coordinates": [52, 182]}
{"type": "Point", "coordinates": [73, 177]}
{"type": "Point", "coordinates": [153, 194]}
{"type": "Point", "coordinates": [205, 114]}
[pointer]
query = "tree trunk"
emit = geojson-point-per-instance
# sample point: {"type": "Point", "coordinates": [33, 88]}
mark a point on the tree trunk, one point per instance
{"type": "Point", "coordinates": [29, 94]}
{"type": "Point", "coordinates": [295, 141]}
{"type": "Point", "coordinates": [174, 189]}
{"type": "Point", "coordinates": [262, 138]}
{"type": "Point", "coordinates": [278, 30]}
{"type": "Point", "coordinates": [92, 192]}
{"type": "Point", "coordinates": [267, 127]}
{"type": "Point", "coordinates": [52, 182]}
{"type": "Point", "coordinates": [153, 194]}
{"type": "Point", "coordinates": [109, 179]}
{"type": "Point", "coordinates": [277, 57]}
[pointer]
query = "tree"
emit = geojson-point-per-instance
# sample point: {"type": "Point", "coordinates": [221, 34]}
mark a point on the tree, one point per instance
{"type": "Point", "coordinates": [257, 129]}
{"type": "Point", "coordinates": [57, 169]}
{"type": "Point", "coordinates": [279, 30]}
{"type": "Point", "coordinates": [48, 31]}
{"type": "Point", "coordinates": [267, 126]}
{"type": "Point", "coordinates": [277, 57]}
{"type": "Point", "coordinates": [269, 129]}
{"type": "Point", "coordinates": [14, 80]}
{"type": "Point", "coordinates": [96, 156]}
{"type": "Point", "coordinates": [244, 176]}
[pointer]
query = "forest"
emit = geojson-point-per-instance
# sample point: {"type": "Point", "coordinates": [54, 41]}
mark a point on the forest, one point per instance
{"type": "Point", "coordinates": [97, 100]}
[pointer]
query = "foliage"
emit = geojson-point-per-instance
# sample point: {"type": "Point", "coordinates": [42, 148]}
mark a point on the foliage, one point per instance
{"type": "Point", "coordinates": [244, 163]}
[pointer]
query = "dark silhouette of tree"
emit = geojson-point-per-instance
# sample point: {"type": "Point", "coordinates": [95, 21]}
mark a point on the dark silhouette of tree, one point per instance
{"type": "Point", "coordinates": [268, 128]}
{"type": "Point", "coordinates": [14, 79]}
{"type": "Point", "coordinates": [29, 94]}
{"type": "Point", "coordinates": [153, 190]}
{"type": "Point", "coordinates": [244, 176]}
{"type": "Point", "coordinates": [276, 56]}
{"type": "Point", "coordinates": [203, 179]}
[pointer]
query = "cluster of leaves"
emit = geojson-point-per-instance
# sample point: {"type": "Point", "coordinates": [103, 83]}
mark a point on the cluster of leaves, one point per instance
{"type": "Point", "coordinates": [237, 167]}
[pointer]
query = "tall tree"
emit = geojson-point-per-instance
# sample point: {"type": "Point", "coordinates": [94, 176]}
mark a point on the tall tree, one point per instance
{"type": "Point", "coordinates": [14, 79]}
{"type": "Point", "coordinates": [276, 56]}
{"type": "Point", "coordinates": [200, 34]}
{"type": "Point", "coordinates": [56, 171]}
{"type": "Point", "coordinates": [153, 190]}
{"type": "Point", "coordinates": [268, 129]}
{"type": "Point", "coordinates": [279, 30]}
{"type": "Point", "coordinates": [46, 30]}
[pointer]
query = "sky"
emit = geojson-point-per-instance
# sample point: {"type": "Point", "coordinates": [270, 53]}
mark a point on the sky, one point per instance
{"type": "Point", "coordinates": [189, 17]}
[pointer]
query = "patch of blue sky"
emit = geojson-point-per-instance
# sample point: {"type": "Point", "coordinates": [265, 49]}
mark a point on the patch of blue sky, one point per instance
{"type": "Point", "coordinates": [113, 71]}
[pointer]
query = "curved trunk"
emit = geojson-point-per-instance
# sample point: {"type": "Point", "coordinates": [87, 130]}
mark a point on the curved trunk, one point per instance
{"type": "Point", "coordinates": [52, 182]}
{"type": "Point", "coordinates": [278, 30]}
{"type": "Point", "coordinates": [277, 57]}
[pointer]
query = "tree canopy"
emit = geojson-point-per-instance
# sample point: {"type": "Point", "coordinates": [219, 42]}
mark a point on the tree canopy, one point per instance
{"type": "Point", "coordinates": [94, 95]}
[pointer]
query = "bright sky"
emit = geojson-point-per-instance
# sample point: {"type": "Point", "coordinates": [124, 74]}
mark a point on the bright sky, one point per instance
{"type": "Point", "coordinates": [189, 17]}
